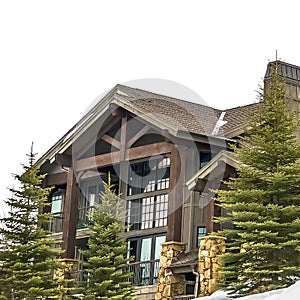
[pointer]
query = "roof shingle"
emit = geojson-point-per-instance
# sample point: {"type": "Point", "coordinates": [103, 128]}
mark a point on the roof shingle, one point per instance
{"type": "Point", "coordinates": [189, 116]}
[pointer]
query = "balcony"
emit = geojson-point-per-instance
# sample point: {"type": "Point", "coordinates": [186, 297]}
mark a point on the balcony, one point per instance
{"type": "Point", "coordinates": [144, 273]}
{"type": "Point", "coordinates": [56, 223]}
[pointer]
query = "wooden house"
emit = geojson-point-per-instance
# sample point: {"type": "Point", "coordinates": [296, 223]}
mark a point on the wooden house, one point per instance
{"type": "Point", "coordinates": [164, 156]}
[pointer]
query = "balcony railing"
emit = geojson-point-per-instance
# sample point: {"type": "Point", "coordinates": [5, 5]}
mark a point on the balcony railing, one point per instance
{"type": "Point", "coordinates": [84, 216]}
{"type": "Point", "coordinates": [144, 273]}
{"type": "Point", "coordinates": [56, 223]}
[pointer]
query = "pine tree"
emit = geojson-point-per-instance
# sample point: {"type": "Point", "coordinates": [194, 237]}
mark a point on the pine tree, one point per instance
{"type": "Point", "coordinates": [27, 259]}
{"type": "Point", "coordinates": [263, 202]}
{"type": "Point", "coordinates": [105, 259]}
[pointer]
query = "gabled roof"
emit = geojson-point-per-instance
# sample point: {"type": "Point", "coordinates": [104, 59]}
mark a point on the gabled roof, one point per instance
{"type": "Point", "coordinates": [180, 114]}
{"type": "Point", "coordinates": [189, 116]}
{"type": "Point", "coordinates": [165, 112]}
{"type": "Point", "coordinates": [237, 119]}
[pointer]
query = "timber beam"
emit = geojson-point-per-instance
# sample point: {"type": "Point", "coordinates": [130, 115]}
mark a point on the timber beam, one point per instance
{"type": "Point", "coordinates": [138, 136]}
{"type": "Point", "coordinates": [107, 159]}
{"type": "Point", "coordinates": [111, 141]}
{"type": "Point", "coordinates": [63, 160]}
{"type": "Point", "coordinates": [55, 179]}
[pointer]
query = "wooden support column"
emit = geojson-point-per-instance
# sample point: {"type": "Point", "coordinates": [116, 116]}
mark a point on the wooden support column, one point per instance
{"type": "Point", "coordinates": [211, 208]}
{"type": "Point", "coordinates": [123, 164]}
{"type": "Point", "coordinates": [123, 138]}
{"type": "Point", "coordinates": [176, 193]}
{"type": "Point", "coordinates": [70, 215]}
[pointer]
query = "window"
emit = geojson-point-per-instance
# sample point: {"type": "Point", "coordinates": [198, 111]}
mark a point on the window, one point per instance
{"type": "Point", "coordinates": [205, 157]}
{"type": "Point", "coordinates": [57, 202]}
{"type": "Point", "coordinates": [57, 207]}
{"type": "Point", "coordinates": [148, 176]}
{"type": "Point", "coordinates": [89, 197]}
{"type": "Point", "coordinates": [201, 231]}
{"type": "Point", "coordinates": [145, 248]}
{"type": "Point", "coordinates": [147, 212]}
{"type": "Point", "coordinates": [147, 200]}
{"type": "Point", "coordinates": [145, 252]}
{"type": "Point", "coordinates": [161, 210]}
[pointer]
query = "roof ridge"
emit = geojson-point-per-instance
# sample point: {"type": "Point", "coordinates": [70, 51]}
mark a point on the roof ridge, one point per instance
{"type": "Point", "coordinates": [284, 63]}
{"type": "Point", "coordinates": [241, 106]}
{"type": "Point", "coordinates": [170, 97]}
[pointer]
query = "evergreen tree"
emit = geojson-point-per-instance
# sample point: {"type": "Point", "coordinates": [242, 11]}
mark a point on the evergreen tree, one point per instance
{"type": "Point", "coordinates": [27, 259]}
{"type": "Point", "coordinates": [105, 259]}
{"type": "Point", "coordinates": [263, 202]}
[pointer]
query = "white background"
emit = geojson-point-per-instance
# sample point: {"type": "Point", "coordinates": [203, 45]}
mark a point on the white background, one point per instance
{"type": "Point", "coordinates": [56, 57]}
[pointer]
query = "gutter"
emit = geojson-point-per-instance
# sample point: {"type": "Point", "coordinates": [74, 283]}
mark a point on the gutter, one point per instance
{"type": "Point", "coordinates": [196, 288]}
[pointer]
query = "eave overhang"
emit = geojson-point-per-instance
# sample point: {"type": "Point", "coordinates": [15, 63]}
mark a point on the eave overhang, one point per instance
{"type": "Point", "coordinates": [213, 168]}
{"type": "Point", "coordinates": [120, 99]}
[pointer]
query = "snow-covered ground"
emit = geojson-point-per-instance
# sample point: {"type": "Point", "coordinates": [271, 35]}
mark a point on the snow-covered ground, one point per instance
{"type": "Point", "coordinates": [291, 293]}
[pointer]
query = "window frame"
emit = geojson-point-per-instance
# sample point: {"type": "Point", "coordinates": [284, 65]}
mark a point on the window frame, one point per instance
{"type": "Point", "coordinates": [139, 240]}
{"type": "Point", "coordinates": [154, 210]}
{"type": "Point", "coordinates": [154, 213]}
{"type": "Point", "coordinates": [56, 223]}
{"type": "Point", "coordinates": [85, 210]}
{"type": "Point", "coordinates": [158, 179]}
{"type": "Point", "coordinates": [200, 234]}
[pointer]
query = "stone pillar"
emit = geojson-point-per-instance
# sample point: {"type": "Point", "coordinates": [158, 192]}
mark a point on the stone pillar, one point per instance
{"type": "Point", "coordinates": [169, 284]}
{"type": "Point", "coordinates": [67, 273]}
{"type": "Point", "coordinates": [211, 246]}
{"type": "Point", "coordinates": [69, 269]}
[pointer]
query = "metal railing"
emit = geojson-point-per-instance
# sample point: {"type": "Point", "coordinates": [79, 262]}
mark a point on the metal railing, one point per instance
{"type": "Point", "coordinates": [145, 272]}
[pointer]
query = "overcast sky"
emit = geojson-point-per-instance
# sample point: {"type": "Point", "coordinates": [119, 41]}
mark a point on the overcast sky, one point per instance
{"type": "Point", "coordinates": [57, 57]}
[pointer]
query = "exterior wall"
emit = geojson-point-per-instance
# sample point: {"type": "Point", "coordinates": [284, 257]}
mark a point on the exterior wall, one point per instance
{"type": "Point", "coordinates": [185, 213]}
{"type": "Point", "coordinates": [197, 212]}
{"type": "Point", "coordinates": [145, 292]}
{"type": "Point", "coordinates": [194, 214]}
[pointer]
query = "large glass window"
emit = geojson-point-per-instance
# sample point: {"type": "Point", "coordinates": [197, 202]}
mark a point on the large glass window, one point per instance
{"type": "Point", "coordinates": [145, 252]}
{"type": "Point", "coordinates": [147, 212]}
{"type": "Point", "coordinates": [148, 176]}
{"type": "Point", "coordinates": [147, 200]}
{"type": "Point", "coordinates": [157, 249]}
